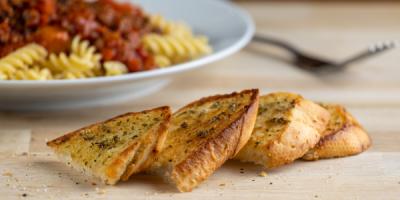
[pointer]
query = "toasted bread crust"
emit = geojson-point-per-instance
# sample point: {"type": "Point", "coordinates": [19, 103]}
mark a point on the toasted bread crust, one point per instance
{"type": "Point", "coordinates": [66, 137]}
{"type": "Point", "coordinates": [113, 172]}
{"type": "Point", "coordinates": [302, 132]}
{"type": "Point", "coordinates": [118, 165]}
{"type": "Point", "coordinates": [154, 145]}
{"type": "Point", "coordinates": [192, 167]}
{"type": "Point", "coordinates": [215, 151]}
{"type": "Point", "coordinates": [348, 139]}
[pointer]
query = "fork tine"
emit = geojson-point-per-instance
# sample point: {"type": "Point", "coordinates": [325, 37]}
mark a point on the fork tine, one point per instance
{"type": "Point", "coordinates": [375, 49]}
{"type": "Point", "coordinates": [381, 46]}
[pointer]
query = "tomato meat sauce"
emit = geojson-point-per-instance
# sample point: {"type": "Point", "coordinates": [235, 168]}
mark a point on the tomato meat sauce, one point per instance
{"type": "Point", "coordinates": [115, 29]}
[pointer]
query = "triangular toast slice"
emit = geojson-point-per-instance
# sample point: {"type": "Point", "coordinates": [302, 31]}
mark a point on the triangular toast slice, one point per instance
{"type": "Point", "coordinates": [344, 136]}
{"type": "Point", "coordinates": [203, 135]}
{"type": "Point", "coordinates": [105, 150]}
{"type": "Point", "coordinates": [287, 127]}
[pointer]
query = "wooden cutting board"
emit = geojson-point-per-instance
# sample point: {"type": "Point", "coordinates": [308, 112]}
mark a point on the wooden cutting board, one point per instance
{"type": "Point", "coordinates": [38, 175]}
{"type": "Point", "coordinates": [370, 90]}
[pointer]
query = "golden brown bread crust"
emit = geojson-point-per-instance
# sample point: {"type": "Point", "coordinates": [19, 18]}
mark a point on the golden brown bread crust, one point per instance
{"type": "Point", "coordinates": [66, 137]}
{"type": "Point", "coordinates": [346, 138]}
{"type": "Point", "coordinates": [111, 173]}
{"type": "Point", "coordinates": [202, 163]}
{"type": "Point", "coordinates": [153, 143]}
{"type": "Point", "coordinates": [214, 151]}
{"type": "Point", "coordinates": [302, 132]}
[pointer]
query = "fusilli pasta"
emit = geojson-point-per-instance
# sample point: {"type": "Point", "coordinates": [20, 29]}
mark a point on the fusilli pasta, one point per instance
{"type": "Point", "coordinates": [113, 68]}
{"type": "Point", "coordinates": [75, 75]}
{"type": "Point", "coordinates": [22, 58]}
{"type": "Point", "coordinates": [170, 27]}
{"type": "Point", "coordinates": [31, 74]}
{"type": "Point", "coordinates": [162, 61]}
{"type": "Point", "coordinates": [3, 76]}
{"type": "Point", "coordinates": [176, 49]}
{"type": "Point", "coordinates": [175, 44]}
{"type": "Point", "coordinates": [82, 62]}
{"type": "Point", "coordinates": [82, 49]}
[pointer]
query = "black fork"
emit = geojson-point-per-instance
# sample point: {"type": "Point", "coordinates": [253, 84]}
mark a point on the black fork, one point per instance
{"type": "Point", "coordinates": [316, 64]}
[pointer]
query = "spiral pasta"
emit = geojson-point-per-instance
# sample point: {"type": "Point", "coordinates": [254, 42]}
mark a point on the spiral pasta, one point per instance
{"type": "Point", "coordinates": [62, 62]}
{"type": "Point", "coordinates": [3, 76]}
{"type": "Point", "coordinates": [162, 61]}
{"type": "Point", "coordinates": [82, 62]}
{"type": "Point", "coordinates": [22, 58]}
{"type": "Point", "coordinates": [176, 49]}
{"type": "Point", "coordinates": [31, 74]}
{"type": "Point", "coordinates": [32, 63]}
{"type": "Point", "coordinates": [82, 49]}
{"type": "Point", "coordinates": [169, 42]}
{"type": "Point", "coordinates": [170, 27]}
{"type": "Point", "coordinates": [114, 68]}
{"type": "Point", "coordinates": [75, 75]}
{"type": "Point", "coordinates": [175, 44]}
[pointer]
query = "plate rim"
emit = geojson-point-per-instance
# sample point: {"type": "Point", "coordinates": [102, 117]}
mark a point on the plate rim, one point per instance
{"type": "Point", "coordinates": [237, 46]}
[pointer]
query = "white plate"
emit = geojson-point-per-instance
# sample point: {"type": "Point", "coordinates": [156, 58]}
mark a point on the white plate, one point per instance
{"type": "Point", "coordinates": [228, 28]}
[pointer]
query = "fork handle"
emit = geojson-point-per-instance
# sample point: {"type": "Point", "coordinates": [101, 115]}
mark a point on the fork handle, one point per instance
{"type": "Point", "coordinates": [357, 57]}
{"type": "Point", "coordinates": [276, 42]}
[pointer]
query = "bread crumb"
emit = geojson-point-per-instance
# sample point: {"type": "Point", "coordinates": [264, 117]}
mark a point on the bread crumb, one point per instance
{"type": "Point", "coordinates": [100, 190]}
{"type": "Point", "coordinates": [263, 174]}
{"type": "Point", "coordinates": [222, 184]}
{"type": "Point", "coordinates": [9, 174]}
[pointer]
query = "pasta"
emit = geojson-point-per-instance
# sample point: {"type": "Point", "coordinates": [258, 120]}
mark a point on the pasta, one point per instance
{"type": "Point", "coordinates": [62, 62]}
{"type": "Point", "coordinates": [162, 61]}
{"type": "Point", "coordinates": [32, 63]}
{"type": "Point", "coordinates": [31, 74]}
{"type": "Point", "coordinates": [176, 49]}
{"type": "Point", "coordinates": [75, 75]}
{"type": "Point", "coordinates": [82, 49]}
{"type": "Point", "coordinates": [82, 62]}
{"type": "Point", "coordinates": [175, 44]}
{"type": "Point", "coordinates": [22, 58]}
{"type": "Point", "coordinates": [169, 27]}
{"type": "Point", "coordinates": [113, 68]}
{"type": "Point", "coordinates": [81, 58]}
{"type": "Point", "coordinates": [60, 47]}
{"type": "Point", "coordinates": [3, 76]}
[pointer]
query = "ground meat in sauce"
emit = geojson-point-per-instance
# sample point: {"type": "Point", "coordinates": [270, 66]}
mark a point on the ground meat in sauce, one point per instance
{"type": "Point", "coordinates": [114, 28]}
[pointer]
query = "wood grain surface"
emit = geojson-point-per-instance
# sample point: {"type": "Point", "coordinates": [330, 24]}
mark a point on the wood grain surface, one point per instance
{"type": "Point", "coordinates": [369, 89]}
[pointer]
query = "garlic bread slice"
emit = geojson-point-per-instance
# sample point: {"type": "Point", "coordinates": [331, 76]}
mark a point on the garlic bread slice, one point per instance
{"type": "Point", "coordinates": [203, 135]}
{"type": "Point", "coordinates": [105, 150]}
{"type": "Point", "coordinates": [343, 136]}
{"type": "Point", "coordinates": [287, 127]}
